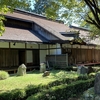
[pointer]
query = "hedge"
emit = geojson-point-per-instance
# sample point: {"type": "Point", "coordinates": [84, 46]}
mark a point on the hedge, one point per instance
{"type": "Point", "coordinates": [54, 87]}
{"type": "Point", "coordinates": [64, 91]}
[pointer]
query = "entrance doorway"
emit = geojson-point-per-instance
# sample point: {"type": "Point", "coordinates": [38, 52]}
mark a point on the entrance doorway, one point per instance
{"type": "Point", "coordinates": [21, 57]}
{"type": "Point", "coordinates": [36, 60]}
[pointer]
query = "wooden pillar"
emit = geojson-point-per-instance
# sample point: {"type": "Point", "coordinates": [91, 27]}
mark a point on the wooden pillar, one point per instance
{"type": "Point", "coordinates": [81, 53]}
{"type": "Point", "coordinates": [94, 54]}
{"type": "Point", "coordinates": [48, 49]}
{"type": "Point", "coordinates": [10, 54]}
{"type": "Point", "coordinates": [61, 48]}
{"type": "Point", "coordinates": [39, 51]}
{"type": "Point", "coordinates": [26, 54]}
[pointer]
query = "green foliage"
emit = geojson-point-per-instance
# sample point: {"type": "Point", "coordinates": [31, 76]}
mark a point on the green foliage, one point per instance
{"type": "Point", "coordinates": [64, 91]}
{"type": "Point", "coordinates": [96, 69]}
{"type": "Point", "coordinates": [16, 94]}
{"type": "Point", "coordinates": [66, 10]}
{"type": "Point", "coordinates": [65, 85]}
{"type": "Point", "coordinates": [95, 32]}
{"type": "Point", "coordinates": [92, 75]}
{"type": "Point", "coordinates": [40, 6]}
{"type": "Point", "coordinates": [83, 77]}
{"type": "Point", "coordinates": [8, 6]}
{"type": "Point", "coordinates": [81, 12]}
{"type": "Point", "coordinates": [31, 89]}
{"type": "Point", "coordinates": [3, 75]}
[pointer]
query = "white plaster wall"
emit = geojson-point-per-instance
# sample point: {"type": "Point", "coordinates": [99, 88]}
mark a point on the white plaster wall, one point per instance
{"type": "Point", "coordinates": [29, 56]}
{"type": "Point", "coordinates": [17, 45]}
{"type": "Point", "coordinates": [43, 46]}
{"type": "Point", "coordinates": [84, 47]}
{"type": "Point", "coordinates": [58, 45]}
{"type": "Point", "coordinates": [52, 46]}
{"type": "Point", "coordinates": [4, 44]}
{"type": "Point", "coordinates": [55, 49]}
{"type": "Point", "coordinates": [58, 51]}
{"type": "Point", "coordinates": [32, 46]}
{"type": "Point", "coordinates": [66, 45]}
{"type": "Point", "coordinates": [76, 46]}
{"type": "Point", "coordinates": [52, 51]}
{"type": "Point", "coordinates": [43, 54]}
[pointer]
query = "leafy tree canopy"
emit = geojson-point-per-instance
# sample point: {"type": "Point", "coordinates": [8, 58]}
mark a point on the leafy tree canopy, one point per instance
{"type": "Point", "coordinates": [40, 6]}
{"type": "Point", "coordinates": [82, 12]}
{"type": "Point", "coordinates": [8, 6]}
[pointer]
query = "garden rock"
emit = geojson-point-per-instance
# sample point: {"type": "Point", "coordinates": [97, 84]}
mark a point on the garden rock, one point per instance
{"type": "Point", "coordinates": [90, 70]}
{"type": "Point", "coordinates": [42, 67]}
{"type": "Point", "coordinates": [46, 73]}
{"type": "Point", "coordinates": [21, 70]}
{"type": "Point", "coordinates": [82, 70]}
{"type": "Point", "coordinates": [90, 95]}
{"type": "Point", "coordinates": [97, 97]}
{"type": "Point", "coordinates": [97, 83]}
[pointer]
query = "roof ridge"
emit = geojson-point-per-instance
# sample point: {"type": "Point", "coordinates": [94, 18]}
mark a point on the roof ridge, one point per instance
{"type": "Point", "coordinates": [81, 28]}
{"type": "Point", "coordinates": [35, 14]}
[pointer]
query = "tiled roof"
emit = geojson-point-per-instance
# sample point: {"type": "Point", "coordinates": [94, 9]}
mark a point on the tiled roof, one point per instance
{"type": "Point", "coordinates": [19, 35]}
{"type": "Point", "coordinates": [54, 28]}
{"type": "Point", "coordinates": [85, 36]}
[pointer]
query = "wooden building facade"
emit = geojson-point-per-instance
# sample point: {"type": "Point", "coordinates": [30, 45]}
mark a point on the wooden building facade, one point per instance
{"type": "Point", "coordinates": [82, 54]}
{"type": "Point", "coordinates": [25, 41]}
{"type": "Point", "coordinates": [29, 38]}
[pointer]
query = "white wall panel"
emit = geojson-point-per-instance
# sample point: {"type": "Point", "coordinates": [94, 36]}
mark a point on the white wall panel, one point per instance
{"type": "Point", "coordinates": [43, 54]}
{"type": "Point", "coordinates": [17, 45]}
{"type": "Point", "coordinates": [29, 56]}
{"type": "Point", "coordinates": [32, 46]}
{"type": "Point", "coordinates": [4, 44]}
{"type": "Point", "coordinates": [43, 46]}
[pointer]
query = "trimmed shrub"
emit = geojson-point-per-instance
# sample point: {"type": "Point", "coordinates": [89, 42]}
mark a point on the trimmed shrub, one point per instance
{"type": "Point", "coordinates": [64, 91]}
{"type": "Point", "coordinates": [32, 89]}
{"type": "Point", "coordinates": [3, 75]}
{"type": "Point", "coordinates": [65, 87]}
{"type": "Point", "coordinates": [92, 75]}
{"type": "Point", "coordinates": [16, 94]}
{"type": "Point", "coordinates": [83, 77]}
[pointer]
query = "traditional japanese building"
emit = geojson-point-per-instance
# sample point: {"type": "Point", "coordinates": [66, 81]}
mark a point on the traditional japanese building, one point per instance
{"type": "Point", "coordinates": [31, 39]}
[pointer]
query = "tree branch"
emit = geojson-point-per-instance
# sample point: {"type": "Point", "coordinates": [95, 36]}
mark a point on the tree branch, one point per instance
{"type": "Point", "coordinates": [93, 7]}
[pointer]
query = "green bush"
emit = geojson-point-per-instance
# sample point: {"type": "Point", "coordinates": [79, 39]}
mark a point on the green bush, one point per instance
{"type": "Point", "coordinates": [83, 77]}
{"type": "Point", "coordinates": [32, 89]}
{"type": "Point", "coordinates": [16, 94]}
{"type": "Point", "coordinates": [5, 96]}
{"type": "Point", "coordinates": [92, 75]}
{"type": "Point", "coordinates": [65, 87]}
{"type": "Point", "coordinates": [3, 75]}
{"type": "Point", "coordinates": [64, 91]}
{"type": "Point", "coordinates": [96, 69]}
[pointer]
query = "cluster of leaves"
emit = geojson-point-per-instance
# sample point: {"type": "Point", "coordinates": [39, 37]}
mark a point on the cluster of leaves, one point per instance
{"type": "Point", "coordinates": [64, 83]}
{"type": "Point", "coordinates": [67, 10]}
{"type": "Point", "coordinates": [3, 75]}
{"type": "Point", "coordinates": [8, 6]}
{"type": "Point", "coordinates": [40, 6]}
{"type": "Point", "coordinates": [82, 12]}
{"type": "Point", "coordinates": [65, 91]}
